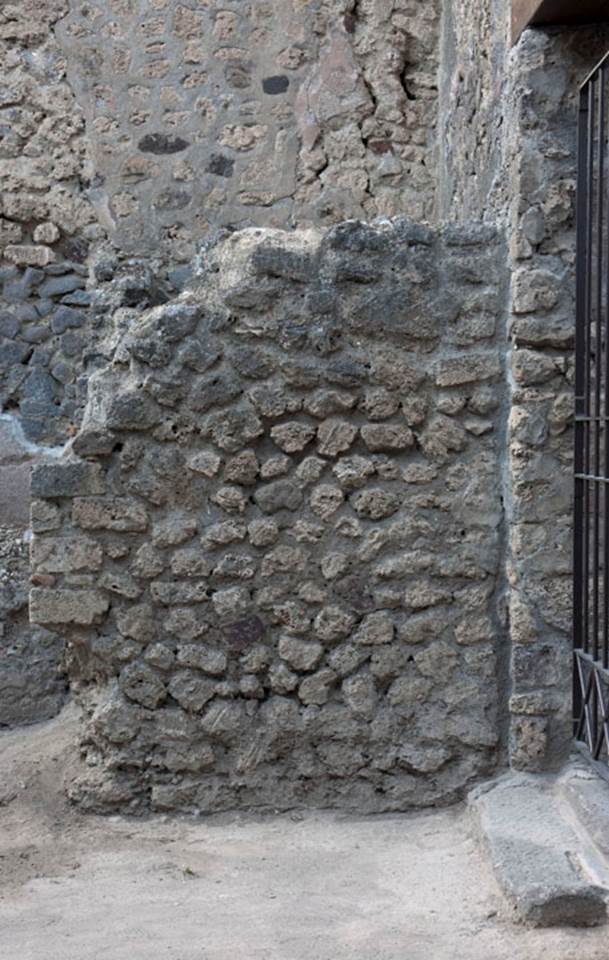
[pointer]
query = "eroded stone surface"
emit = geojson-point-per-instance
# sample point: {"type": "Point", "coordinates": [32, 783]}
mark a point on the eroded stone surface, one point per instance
{"type": "Point", "coordinates": [313, 622]}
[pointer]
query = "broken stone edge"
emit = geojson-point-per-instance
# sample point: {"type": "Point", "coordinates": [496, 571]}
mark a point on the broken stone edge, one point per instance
{"type": "Point", "coordinates": [573, 901]}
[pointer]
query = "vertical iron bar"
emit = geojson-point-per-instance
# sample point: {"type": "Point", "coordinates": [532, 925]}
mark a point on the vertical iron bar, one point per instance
{"type": "Point", "coordinates": [605, 268]}
{"type": "Point", "coordinates": [580, 402]}
{"type": "Point", "coordinates": [587, 356]}
{"type": "Point", "coordinates": [598, 365]}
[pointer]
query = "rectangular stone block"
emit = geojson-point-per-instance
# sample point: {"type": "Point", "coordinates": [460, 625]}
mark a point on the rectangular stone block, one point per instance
{"type": "Point", "coordinates": [44, 516]}
{"type": "Point", "coordinates": [116, 513]}
{"type": "Point", "coordinates": [65, 554]}
{"type": "Point", "coordinates": [180, 592]}
{"type": "Point", "coordinates": [82, 607]}
{"type": "Point", "coordinates": [67, 479]}
{"type": "Point", "coordinates": [14, 500]}
{"type": "Point", "coordinates": [29, 255]}
{"type": "Point", "coordinates": [466, 368]}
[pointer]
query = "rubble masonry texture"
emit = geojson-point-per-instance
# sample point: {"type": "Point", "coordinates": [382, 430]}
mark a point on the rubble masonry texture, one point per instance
{"type": "Point", "coordinates": [132, 132]}
{"type": "Point", "coordinates": [129, 132]}
{"type": "Point", "coordinates": [275, 548]}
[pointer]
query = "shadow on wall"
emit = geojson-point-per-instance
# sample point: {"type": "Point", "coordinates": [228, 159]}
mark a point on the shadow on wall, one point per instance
{"type": "Point", "coordinates": [33, 685]}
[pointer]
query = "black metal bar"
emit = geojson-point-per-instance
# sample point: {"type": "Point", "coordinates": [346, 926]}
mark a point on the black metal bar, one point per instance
{"type": "Point", "coordinates": [604, 253]}
{"type": "Point", "coordinates": [598, 366]}
{"type": "Point", "coordinates": [580, 347]}
{"type": "Point", "coordinates": [591, 425]}
{"type": "Point", "coordinates": [589, 162]}
{"type": "Point", "coordinates": [593, 73]}
{"type": "Point", "coordinates": [592, 663]}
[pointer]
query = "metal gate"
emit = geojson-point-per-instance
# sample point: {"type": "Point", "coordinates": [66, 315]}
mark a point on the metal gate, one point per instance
{"type": "Point", "coordinates": [591, 521]}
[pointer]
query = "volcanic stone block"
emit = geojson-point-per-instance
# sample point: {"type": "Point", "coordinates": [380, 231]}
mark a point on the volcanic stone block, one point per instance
{"type": "Point", "coordinates": [66, 479]}
{"type": "Point", "coordinates": [67, 606]}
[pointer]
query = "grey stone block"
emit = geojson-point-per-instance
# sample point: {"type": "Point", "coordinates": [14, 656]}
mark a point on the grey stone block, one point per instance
{"type": "Point", "coordinates": [537, 858]}
{"type": "Point", "coordinates": [37, 333]}
{"type": "Point", "coordinates": [26, 313]}
{"type": "Point", "coordinates": [58, 286]}
{"type": "Point", "coordinates": [9, 324]}
{"type": "Point", "coordinates": [14, 494]}
{"type": "Point", "coordinates": [66, 317]}
{"type": "Point", "coordinates": [68, 479]}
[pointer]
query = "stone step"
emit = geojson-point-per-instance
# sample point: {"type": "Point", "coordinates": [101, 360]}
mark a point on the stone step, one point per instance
{"type": "Point", "coordinates": [549, 871]}
{"type": "Point", "coordinates": [586, 794]}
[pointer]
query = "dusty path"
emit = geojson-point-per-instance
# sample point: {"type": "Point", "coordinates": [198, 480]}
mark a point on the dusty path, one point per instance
{"type": "Point", "coordinates": [318, 887]}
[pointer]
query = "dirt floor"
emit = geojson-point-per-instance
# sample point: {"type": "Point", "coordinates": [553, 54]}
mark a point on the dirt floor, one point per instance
{"type": "Point", "coordinates": [314, 887]}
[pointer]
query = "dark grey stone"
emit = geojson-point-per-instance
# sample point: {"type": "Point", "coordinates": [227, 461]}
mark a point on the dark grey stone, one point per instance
{"type": "Point", "coordinates": [78, 298]}
{"type": "Point", "coordinates": [180, 277]}
{"type": "Point", "coordinates": [346, 372]}
{"type": "Point", "coordinates": [214, 391]}
{"type": "Point", "coordinates": [253, 363]}
{"type": "Point", "coordinates": [64, 373]}
{"type": "Point", "coordinates": [132, 411]}
{"type": "Point", "coordinates": [34, 409]}
{"type": "Point", "coordinates": [44, 307]}
{"type": "Point", "coordinates": [37, 429]}
{"type": "Point", "coordinates": [9, 324]}
{"type": "Point", "coordinates": [220, 165]}
{"type": "Point", "coordinates": [12, 353]}
{"type": "Point", "coordinates": [66, 317]}
{"type": "Point", "coordinates": [71, 344]}
{"type": "Point", "coordinates": [276, 261]}
{"type": "Point", "coordinates": [242, 634]}
{"type": "Point", "coordinates": [176, 321]}
{"type": "Point", "coordinates": [68, 266]}
{"type": "Point", "coordinates": [67, 479]}
{"type": "Point", "coordinates": [275, 85]}
{"type": "Point", "coordinates": [26, 312]}
{"type": "Point", "coordinates": [161, 143]}
{"type": "Point", "coordinates": [280, 495]}
{"type": "Point", "coordinates": [40, 357]}
{"type": "Point", "coordinates": [39, 386]}
{"type": "Point", "coordinates": [57, 286]}
{"type": "Point", "coordinates": [199, 355]}
{"type": "Point", "coordinates": [16, 291]}
{"type": "Point", "coordinates": [36, 334]}
{"type": "Point", "coordinates": [90, 443]}
{"type": "Point", "coordinates": [33, 276]}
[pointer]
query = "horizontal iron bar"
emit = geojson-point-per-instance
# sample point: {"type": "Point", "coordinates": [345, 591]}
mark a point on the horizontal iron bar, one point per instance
{"type": "Point", "coordinates": [595, 665]}
{"type": "Point", "coordinates": [594, 73]}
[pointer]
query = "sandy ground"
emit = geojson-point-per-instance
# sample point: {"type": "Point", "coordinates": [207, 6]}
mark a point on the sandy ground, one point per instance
{"type": "Point", "coordinates": [315, 887]}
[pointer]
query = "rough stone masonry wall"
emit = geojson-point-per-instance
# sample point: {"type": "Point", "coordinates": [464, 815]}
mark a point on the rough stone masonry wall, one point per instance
{"type": "Point", "coordinates": [136, 129]}
{"type": "Point", "coordinates": [472, 109]}
{"type": "Point", "coordinates": [129, 132]}
{"type": "Point", "coordinates": [46, 226]}
{"type": "Point", "coordinates": [544, 73]}
{"type": "Point", "coordinates": [275, 549]}
{"type": "Point", "coordinates": [511, 121]}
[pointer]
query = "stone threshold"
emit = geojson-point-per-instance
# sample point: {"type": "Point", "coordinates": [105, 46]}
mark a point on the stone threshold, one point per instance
{"type": "Point", "coordinates": [547, 840]}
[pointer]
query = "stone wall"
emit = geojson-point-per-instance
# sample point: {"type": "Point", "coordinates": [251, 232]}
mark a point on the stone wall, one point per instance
{"type": "Point", "coordinates": [132, 130]}
{"type": "Point", "coordinates": [135, 129]}
{"type": "Point", "coordinates": [275, 113]}
{"type": "Point", "coordinates": [511, 121]}
{"type": "Point", "coordinates": [472, 107]}
{"type": "Point", "coordinates": [545, 71]}
{"type": "Point", "coordinates": [275, 549]}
